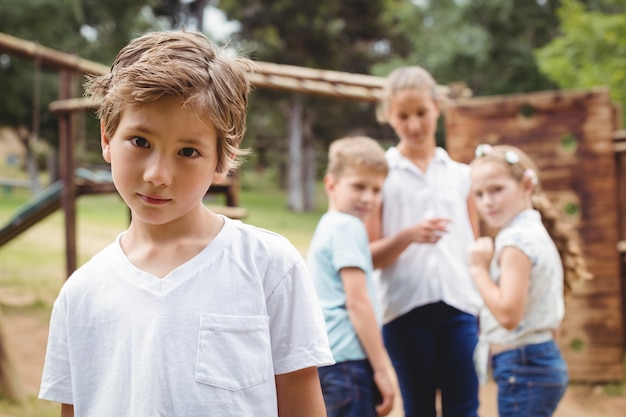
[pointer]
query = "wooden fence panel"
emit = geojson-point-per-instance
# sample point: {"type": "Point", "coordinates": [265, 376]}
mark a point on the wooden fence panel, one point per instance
{"type": "Point", "coordinates": [569, 134]}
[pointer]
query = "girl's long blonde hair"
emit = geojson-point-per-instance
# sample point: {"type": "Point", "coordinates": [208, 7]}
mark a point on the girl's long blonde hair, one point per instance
{"type": "Point", "coordinates": [564, 234]}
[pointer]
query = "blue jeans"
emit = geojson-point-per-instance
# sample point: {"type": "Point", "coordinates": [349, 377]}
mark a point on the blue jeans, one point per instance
{"type": "Point", "coordinates": [531, 380]}
{"type": "Point", "coordinates": [431, 348]}
{"type": "Point", "coordinates": [349, 389]}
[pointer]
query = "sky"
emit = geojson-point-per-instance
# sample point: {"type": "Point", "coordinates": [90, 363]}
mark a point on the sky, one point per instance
{"type": "Point", "coordinates": [217, 25]}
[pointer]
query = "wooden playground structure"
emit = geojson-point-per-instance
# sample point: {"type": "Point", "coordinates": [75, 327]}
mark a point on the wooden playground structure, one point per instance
{"type": "Point", "coordinates": [574, 136]}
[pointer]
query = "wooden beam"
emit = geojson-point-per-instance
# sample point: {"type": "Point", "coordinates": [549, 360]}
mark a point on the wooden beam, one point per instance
{"type": "Point", "coordinates": [619, 141]}
{"type": "Point", "coordinates": [266, 75]}
{"type": "Point", "coordinates": [49, 57]}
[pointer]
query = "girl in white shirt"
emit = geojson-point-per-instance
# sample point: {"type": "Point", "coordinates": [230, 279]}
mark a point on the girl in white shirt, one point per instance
{"type": "Point", "coordinates": [419, 240]}
{"type": "Point", "coordinates": [522, 282]}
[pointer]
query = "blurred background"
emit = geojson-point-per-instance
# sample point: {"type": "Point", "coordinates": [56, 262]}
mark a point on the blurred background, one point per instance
{"type": "Point", "coordinates": [491, 47]}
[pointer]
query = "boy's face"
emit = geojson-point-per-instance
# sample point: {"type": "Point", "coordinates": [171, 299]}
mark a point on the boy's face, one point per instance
{"type": "Point", "coordinates": [356, 191]}
{"type": "Point", "coordinates": [163, 160]}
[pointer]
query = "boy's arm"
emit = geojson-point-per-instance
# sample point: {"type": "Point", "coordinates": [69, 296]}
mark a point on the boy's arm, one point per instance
{"type": "Point", "coordinates": [67, 410]}
{"type": "Point", "coordinates": [299, 394]}
{"type": "Point", "coordinates": [363, 318]}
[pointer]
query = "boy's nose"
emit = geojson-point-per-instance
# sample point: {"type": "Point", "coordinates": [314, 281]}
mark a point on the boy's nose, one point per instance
{"type": "Point", "coordinates": [369, 195]}
{"type": "Point", "coordinates": [158, 171]}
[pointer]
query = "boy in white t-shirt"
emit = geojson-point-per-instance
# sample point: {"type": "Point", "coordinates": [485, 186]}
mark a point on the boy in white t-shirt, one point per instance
{"type": "Point", "coordinates": [187, 313]}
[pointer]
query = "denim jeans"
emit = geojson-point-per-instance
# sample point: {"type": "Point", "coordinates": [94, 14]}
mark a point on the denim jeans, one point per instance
{"type": "Point", "coordinates": [531, 380]}
{"type": "Point", "coordinates": [349, 389]}
{"type": "Point", "coordinates": [432, 347]}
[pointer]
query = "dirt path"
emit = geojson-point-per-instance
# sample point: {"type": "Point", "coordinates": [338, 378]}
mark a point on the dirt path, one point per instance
{"type": "Point", "coordinates": [27, 335]}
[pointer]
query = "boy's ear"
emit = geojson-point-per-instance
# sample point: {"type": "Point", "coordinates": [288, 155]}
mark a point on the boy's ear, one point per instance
{"type": "Point", "coordinates": [220, 177]}
{"type": "Point", "coordinates": [329, 182]}
{"type": "Point", "coordinates": [105, 143]}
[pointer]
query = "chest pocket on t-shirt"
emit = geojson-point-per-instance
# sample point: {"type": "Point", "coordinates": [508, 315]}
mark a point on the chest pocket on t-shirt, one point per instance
{"type": "Point", "coordinates": [233, 351]}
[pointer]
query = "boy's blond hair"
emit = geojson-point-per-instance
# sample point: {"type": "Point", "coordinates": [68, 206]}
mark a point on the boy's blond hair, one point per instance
{"type": "Point", "coordinates": [356, 151]}
{"type": "Point", "coordinates": [208, 80]}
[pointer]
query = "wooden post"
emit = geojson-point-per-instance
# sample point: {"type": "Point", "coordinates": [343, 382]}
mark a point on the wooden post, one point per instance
{"type": "Point", "coordinates": [67, 168]}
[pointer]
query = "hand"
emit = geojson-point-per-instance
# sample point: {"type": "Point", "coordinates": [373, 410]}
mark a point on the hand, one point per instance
{"type": "Point", "coordinates": [481, 252]}
{"type": "Point", "coordinates": [385, 388]}
{"type": "Point", "coordinates": [430, 231]}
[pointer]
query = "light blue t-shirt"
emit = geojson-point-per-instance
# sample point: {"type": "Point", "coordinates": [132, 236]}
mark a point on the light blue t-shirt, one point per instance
{"type": "Point", "coordinates": [340, 241]}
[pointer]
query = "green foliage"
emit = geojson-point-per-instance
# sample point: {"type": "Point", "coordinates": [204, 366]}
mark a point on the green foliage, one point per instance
{"type": "Point", "coordinates": [91, 29]}
{"type": "Point", "coordinates": [590, 51]}
{"type": "Point", "coordinates": [343, 36]}
{"type": "Point", "coordinates": [31, 21]}
{"type": "Point", "coordinates": [323, 34]}
{"type": "Point", "coordinates": [113, 23]}
{"type": "Point", "coordinates": [494, 46]}
{"type": "Point", "coordinates": [487, 44]}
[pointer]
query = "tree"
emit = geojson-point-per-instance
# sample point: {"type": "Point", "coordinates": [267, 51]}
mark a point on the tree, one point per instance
{"type": "Point", "coordinates": [488, 44]}
{"type": "Point", "coordinates": [31, 21]}
{"type": "Point", "coordinates": [325, 34]}
{"type": "Point", "coordinates": [91, 29]}
{"type": "Point", "coordinates": [590, 51]}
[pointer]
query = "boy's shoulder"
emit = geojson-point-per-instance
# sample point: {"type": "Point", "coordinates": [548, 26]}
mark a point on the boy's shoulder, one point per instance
{"type": "Point", "coordinates": [334, 219]}
{"type": "Point", "coordinates": [260, 242]}
{"type": "Point", "coordinates": [336, 223]}
{"type": "Point", "coordinates": [91, 272]}
{"type": "Point", "coordinates": [255, 234]}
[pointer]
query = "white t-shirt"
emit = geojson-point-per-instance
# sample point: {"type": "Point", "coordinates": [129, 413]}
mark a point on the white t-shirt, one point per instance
{"type": "Point", "coordinates": [207, 339]}
{"type": "Point", "coordinates": [427, 273]}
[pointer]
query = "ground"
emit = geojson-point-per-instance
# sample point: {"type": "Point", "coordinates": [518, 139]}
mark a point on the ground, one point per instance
{"type": "Point", "coordinates": [27, 334]}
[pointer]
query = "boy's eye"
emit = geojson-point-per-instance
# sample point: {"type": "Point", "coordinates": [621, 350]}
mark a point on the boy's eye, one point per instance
{"type": "Point", "coordinates": [189, 152]}
{"type": "Point", "coordinates": [140, 142]}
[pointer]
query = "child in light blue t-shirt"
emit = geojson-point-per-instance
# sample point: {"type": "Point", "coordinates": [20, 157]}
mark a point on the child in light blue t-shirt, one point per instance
{"type": "Point", "coordinates": [341, 267]}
